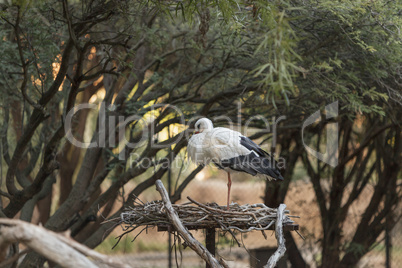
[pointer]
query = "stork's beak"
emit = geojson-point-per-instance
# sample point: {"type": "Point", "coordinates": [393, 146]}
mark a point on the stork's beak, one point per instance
{"type": "Point", "coordinates": [196, 132]}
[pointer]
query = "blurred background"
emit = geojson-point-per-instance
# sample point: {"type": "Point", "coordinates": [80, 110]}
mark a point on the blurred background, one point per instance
{"type": "Point", "coordinates": [99, 98]}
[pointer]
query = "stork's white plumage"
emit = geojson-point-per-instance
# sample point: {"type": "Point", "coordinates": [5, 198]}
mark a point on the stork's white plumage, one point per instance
{"type": "Point", "coordinates": [231, 151]}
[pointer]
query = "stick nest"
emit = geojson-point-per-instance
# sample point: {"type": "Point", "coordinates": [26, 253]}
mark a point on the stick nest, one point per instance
{"type": "Point", "coordinates": [194, 215]}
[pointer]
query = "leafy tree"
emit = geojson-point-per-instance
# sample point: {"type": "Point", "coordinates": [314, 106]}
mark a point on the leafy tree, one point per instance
{"type": "Point", "coordinates": [350, 53]}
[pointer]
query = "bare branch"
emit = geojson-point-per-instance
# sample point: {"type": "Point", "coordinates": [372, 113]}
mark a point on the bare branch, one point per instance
{"type": "Point", "coordinates": [70, 28]}
{"type": "Point", "coordinates": [59, 248]}
{"type": "Point", "coordinates": [363, 145]}
{"type": "Point", "coordinates": [42, 241]}
{"type": "Point", "coordinates": [279, 237]}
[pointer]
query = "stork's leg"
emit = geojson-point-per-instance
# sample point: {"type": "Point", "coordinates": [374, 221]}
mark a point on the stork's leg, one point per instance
{"type": "Point", "coordinates": [229, 186]}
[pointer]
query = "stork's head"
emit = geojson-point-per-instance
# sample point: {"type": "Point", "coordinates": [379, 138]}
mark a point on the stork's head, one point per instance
{"type": "Point", "coordinates": [203, 124]}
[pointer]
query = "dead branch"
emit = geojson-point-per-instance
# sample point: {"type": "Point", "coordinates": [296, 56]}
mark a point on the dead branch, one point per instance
{"type": "Point", "coordinates": [183, 232]}
{"type": "Point", "coordinates": [58, 248]}
{"type": "Point", "coordinates": [280, 251]}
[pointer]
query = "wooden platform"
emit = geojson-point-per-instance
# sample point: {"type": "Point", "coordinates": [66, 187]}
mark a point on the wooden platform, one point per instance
{"type": "Point", "coordinates": [168, 227]}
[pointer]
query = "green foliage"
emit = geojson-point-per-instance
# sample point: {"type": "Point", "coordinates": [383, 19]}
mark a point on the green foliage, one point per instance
{"type": "Point", "coordinates": [188, 9]}
{"type": "Point", "coordinates": [40, 46]}
{"type": "Point", "coordinates": [354, 56]}
{"type": "Point", "coordinates": [277, 46]}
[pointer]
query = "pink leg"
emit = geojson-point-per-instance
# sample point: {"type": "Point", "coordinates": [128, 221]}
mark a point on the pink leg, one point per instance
{"type": "Point", "coordinates": [229, 186]}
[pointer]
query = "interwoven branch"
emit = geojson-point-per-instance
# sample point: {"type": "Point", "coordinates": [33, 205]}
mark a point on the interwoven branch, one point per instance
{"type": "Point", "coordinates": [244, 218]}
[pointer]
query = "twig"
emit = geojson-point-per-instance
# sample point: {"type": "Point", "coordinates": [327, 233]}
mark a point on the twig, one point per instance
{"type": "Point", "coordinates": [279, 237]}
{"type": "Point", "coordinates": [234, 238]}
{"type": "Point", "coordinates": [105, 259]}
{"type": "Point", "coordinates": [184, 233]}
{"type": "Point", "coordinates": [219, 210]}
{"type": "Point", "coordinates": [301, 236]}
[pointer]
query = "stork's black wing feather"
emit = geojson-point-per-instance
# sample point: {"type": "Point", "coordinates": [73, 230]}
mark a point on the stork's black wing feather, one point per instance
{"type": "Point", "coordinates": [256, 162]}
{"type": "Point", "coordinates": [252, 146]}
{"type": "Point", "coordinates": [252, 164]}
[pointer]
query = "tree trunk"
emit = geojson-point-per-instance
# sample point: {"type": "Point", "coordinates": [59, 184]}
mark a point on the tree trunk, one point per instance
{"type": "Point", "coordinates": [44, 207]}
{"type": "Point", "coordinates": [70, 155]}
{"type": "Point", "coordinates": [294, 255]}
{"type": "Point", "coordinates": [330, 248]}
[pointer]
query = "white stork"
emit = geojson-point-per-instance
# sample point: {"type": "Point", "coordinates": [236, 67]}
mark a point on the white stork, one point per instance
{"type": "Point", "coordinates": [231, 151]}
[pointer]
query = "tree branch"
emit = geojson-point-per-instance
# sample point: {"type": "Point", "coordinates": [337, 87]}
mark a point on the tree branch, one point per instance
{"type": "Point", "coordinates": [364, 144]}
{"type": "Point", "coordinates": [42, 241]}
{"type": "Point", "coordinates": [58, 248]}
{"type": "Point", "coordinates": [24, 63]}
{"type": "Point", "coordinates": [279, 237]}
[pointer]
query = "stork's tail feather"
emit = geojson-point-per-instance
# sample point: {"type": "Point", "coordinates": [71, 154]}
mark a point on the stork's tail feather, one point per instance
{"type": "Point", "coordinates": [269, 168]}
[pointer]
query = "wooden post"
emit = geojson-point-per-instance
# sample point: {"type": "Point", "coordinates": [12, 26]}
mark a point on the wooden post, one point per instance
{"type": "Point", "coordinates": [210, 242]}
{"type": "Point", "coordinates": [388, 246]}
